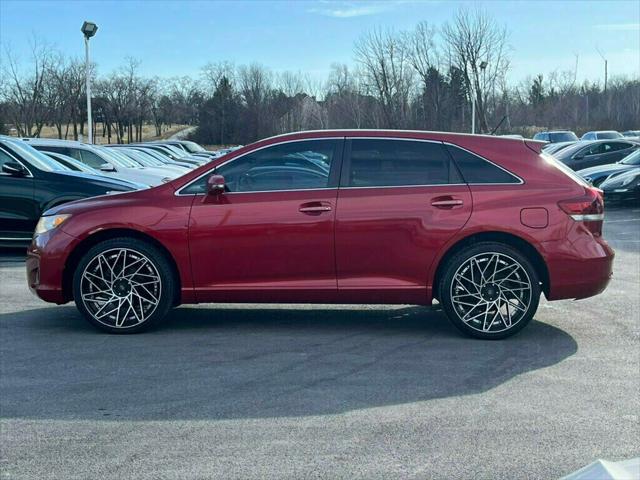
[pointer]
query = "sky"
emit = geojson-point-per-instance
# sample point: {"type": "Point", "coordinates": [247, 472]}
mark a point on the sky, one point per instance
{"type": "Point", "coordinates": [176, 38]}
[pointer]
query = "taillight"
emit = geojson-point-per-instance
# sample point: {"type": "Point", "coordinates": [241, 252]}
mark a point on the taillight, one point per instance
{"type": "Point", "coordinates": [588, 209]}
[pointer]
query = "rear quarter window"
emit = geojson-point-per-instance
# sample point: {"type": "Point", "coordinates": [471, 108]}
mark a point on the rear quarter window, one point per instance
{"type": "Point", "coordinates": [475, 169]}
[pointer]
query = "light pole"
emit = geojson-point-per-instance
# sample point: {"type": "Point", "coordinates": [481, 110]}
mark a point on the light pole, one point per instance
{"type": "Point", "coordinates": [89, 29]}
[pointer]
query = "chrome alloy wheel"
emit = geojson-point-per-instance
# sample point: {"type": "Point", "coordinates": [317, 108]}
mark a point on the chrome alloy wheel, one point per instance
{"type": "Point", "coordinates": [491, 292]}
{"type": "Point", "coordinates": [120, 288]}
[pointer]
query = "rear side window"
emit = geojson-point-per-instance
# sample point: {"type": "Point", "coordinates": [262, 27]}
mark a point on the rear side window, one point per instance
{"type": "Point", "coordinates": [381, 162]}
{"type": "Point", "coordinates": [475, 169]}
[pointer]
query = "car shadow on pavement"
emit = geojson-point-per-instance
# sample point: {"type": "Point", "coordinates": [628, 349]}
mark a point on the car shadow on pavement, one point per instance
{"type": "Point", "coordinates": [254, 362]}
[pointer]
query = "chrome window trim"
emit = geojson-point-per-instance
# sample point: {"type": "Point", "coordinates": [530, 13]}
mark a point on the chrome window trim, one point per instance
{"type": "Point", "coordinates": [16, 239]}
{"type": "Point", "coordinates": [520, 180]}
{"type": "Point", "coordinates": [18, 161]}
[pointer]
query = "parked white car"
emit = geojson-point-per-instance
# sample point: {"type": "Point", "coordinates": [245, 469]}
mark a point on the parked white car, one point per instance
{"type": "Point", "coordinates": [101, 159]}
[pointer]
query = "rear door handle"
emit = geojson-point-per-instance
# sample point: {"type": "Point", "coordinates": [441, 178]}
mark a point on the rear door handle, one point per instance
{"type": "Point", "coordinates": [446, 202]}
{"type": "Point", "coordinates": [315, 208]}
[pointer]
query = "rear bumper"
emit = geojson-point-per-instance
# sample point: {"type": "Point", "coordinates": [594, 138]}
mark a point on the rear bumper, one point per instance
{"type": "Point", "coordinates": [578, 269]}
{"type": "Point", "coordinates": [45, 272]}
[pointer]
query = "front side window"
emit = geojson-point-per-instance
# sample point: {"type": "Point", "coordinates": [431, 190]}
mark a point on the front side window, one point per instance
{"type": "Point", "coordinates": [475, 169]}
{"type": "Point", "coordinates": [382, 162]}
{"type": "Point", "coordinates": [5, 158]}
{"type": "Point", "coordinates": [299, 165]}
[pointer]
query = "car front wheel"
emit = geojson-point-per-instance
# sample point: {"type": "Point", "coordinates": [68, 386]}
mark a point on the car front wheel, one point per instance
{"type": "Point", "coordinates": [123, 285]}
{"type": "Point", "coordinates": [489, 290]}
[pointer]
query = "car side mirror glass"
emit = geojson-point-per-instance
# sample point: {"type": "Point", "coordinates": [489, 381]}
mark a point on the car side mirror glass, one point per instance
{"type": "Point", "coordinates": [14, 168]}
{"type": "Point", "coordinates": [107, 167]}
{"type": "Point", "coordinates": [215, 185]}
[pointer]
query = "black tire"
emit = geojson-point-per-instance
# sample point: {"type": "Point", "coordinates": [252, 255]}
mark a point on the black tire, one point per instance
{"type": "Point", "coordinates": [463, 284]}
{"type": "Point", "coordinates": [145, 304]}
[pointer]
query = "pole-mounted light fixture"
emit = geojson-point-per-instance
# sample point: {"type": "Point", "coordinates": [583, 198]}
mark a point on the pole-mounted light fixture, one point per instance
{"type": "Point", "coordinates": [89, 29]}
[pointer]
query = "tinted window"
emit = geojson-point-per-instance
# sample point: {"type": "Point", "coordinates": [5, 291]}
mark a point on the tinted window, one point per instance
{"type": "Point", "coordinates": [4, 158]}
{"type": "Point", "coordinates": [289, 166]}
{"type": "Point", "coordinates": [608, 135]}
{"type": "Point", "coordinates": [613, 146]}
{"type": "Point", "coordinates": [397, 162]}
{"type": "Point", "coordinates": [562, 137]}
{"type": "Point", "coordinates": [477, 170]}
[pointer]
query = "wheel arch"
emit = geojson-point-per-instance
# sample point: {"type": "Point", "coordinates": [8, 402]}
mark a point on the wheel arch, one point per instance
{"type": "Point", "coordinates": [519, 243]}
{"type": "Point", "coordinates": [83, 247]}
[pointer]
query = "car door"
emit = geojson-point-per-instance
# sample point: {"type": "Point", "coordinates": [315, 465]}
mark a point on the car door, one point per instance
{"type": "Point", "coordinates": [270, 236]}
{"type": "Point", "coordinates": [18, 208]}
{"type": "Point", "coordinates": [399, 202]}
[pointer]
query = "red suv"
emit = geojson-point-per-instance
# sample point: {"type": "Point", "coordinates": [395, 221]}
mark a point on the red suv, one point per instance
{"type": "Point", "coordinates": [482, 224]}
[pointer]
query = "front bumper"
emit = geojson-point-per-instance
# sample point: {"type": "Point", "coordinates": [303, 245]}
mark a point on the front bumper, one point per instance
{"type": "Point", "coordinates": [46, 258]}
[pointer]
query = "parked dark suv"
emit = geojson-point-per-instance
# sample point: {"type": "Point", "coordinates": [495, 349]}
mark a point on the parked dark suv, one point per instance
{"type": "Point", "coordinates": [31, 183]}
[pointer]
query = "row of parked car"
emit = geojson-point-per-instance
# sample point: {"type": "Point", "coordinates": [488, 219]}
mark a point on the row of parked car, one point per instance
{"type": "Point", "coordinates": [607, 159]}
{"type": "Point", "coordinates": [38, 173]}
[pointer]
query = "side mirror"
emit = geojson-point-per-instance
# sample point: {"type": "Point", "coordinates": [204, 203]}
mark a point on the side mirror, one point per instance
{"type": "Point", "coordinates": [215, 185]}
{"type": "Point", "coordinates": [14, 168]}
{"type": "Point", "coordinates": [107, 167]}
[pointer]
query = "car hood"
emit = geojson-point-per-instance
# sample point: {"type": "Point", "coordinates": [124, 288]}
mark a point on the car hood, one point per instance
{"type": "Point", "coordinates": [604, 170]}
{"type": "Point", "coordinates": [103, 180]}
{"type": "Point", "coordinates": [120, 199]}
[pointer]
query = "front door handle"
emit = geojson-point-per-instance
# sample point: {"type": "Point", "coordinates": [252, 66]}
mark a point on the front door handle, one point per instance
{"type": "Point", "coordinates": [315, 208]}
{"type": "Point", "coordinates": [446, 202]}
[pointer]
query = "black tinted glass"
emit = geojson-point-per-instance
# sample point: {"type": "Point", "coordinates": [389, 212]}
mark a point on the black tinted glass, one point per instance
{"type": "Point", "coordinates": [477, 170]}
{"type": "Point", "coordinates": [289, 166]}
{"type": "Point", "coordinates": [397, 162]}
{"type": "Point", "coordinates": [562, 137]}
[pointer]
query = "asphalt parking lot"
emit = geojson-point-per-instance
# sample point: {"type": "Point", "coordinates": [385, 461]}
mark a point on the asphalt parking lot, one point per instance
{"type": "Point", "coordinates": [250, 391]}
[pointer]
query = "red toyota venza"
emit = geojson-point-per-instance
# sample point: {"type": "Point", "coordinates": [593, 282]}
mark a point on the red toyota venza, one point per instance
{"type": "Point", "coordinates": [482, 224]}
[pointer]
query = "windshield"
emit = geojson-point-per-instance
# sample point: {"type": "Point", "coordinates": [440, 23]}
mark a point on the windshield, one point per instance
{"type": "Point", "coordinates": [632, 158]}
{"type": "Point", "coordinates": [119, 159]}
{"type": "Point", "coordinates": [152, 153]}
{"type": "Point", "coordinates": [138, 157]}
{"type": "Point", "coordinates": [36, 158]}
{"type": "Point", "coordinates": [192, 147]}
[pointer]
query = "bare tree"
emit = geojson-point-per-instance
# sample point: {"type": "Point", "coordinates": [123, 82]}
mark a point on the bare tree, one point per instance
{"type": "Point", "coordinates": [477, 45]}
{"type": "Point", "coordinates": [387, 73]}
{"type": "Point", "coordinates": [25, 91]}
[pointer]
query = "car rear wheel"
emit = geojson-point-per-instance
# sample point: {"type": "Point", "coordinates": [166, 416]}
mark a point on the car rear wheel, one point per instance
{"type": "Point", "coordinates": [489, 290]}
{"type": "Point", "coordinates": [123, 285]}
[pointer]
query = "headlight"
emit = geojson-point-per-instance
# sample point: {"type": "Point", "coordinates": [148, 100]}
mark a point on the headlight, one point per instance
{"type": "Point", "coordinates": [50, 222]}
